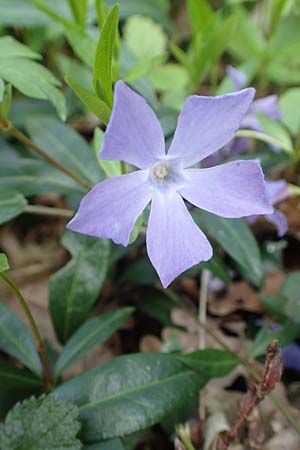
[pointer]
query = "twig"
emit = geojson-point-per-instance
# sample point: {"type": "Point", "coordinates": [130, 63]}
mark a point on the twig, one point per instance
{"type": "Point", "coordinates": [34, 327]}
{"type": "Point", "coordinates": [7, 126]}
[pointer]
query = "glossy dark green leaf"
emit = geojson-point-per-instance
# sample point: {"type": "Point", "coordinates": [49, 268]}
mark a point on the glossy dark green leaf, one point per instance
{"type": "Point", "coordinates": [75, 288]}
{"type": "Point", "coordinates": [91, 333]}
{"type": "Point", "coordinates": [130, 393]}
{"type": "Point", "coordinates": [65, 145]}
{"type": "Point", "coordinates": [112, 444]}
{"type": "Point", "coordinates": [93, 103]}
{"type": "Point", "coordinates": [237, 239]}
{"type": "Point", "coordinates": [12, 378]}
{"type": "Point", "coordinates": [217, 267]}
{"type": "Point", "coordinates": [3, 263]}
{"type": "Point", "coordinates": [12, 203]}
{"type": "Point", "coordinates": [211, 362]}
{"type": "Point", "coordinates": [40, 424]}
{"type": "Point", "coordinates": [104, 54]}
{"type": "Point", "coordinates": [16, 340]}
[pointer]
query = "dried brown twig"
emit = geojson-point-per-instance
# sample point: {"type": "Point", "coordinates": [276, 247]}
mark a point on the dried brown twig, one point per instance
{"type": "Point", "coordinates": [257, 392]}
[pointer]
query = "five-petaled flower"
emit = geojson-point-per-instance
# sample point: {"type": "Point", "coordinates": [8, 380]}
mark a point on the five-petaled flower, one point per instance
{"type": "Point", "coordinates": [174, 241]}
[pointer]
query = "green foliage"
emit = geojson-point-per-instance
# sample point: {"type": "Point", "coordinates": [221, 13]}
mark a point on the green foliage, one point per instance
{"type": "Point", "coordinates": [110, 168]}
{"type": "Point", "coordinates": [17, 66]}
{"type": "Point", "coordinates": [40, 424]}
{"type": "Point", "coordinates": [91, 333]}
{"type": "Point", "coordinates": [12, 379]}
{"type": "Point", "coordinates": [12, 203]}
{"type": "Point", "coordinates": [104, 56]}
{"type": "Point", "coordinates": [16, 340]}
{"type": "Point", "coordinates": [75, 288]}
{"type": "Point", "coordinates": [130, 393]}
{"type": "Point", "coordinates": [212, 363]}
{"type": "Point", "coordinates": [3, 263]}
{"type": "Point", "coordinates": [237, 239]}
{"type": "Point", "coordinates": [289, 105]}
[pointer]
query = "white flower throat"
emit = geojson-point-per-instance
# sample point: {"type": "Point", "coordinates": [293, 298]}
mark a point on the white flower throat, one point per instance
{"type": "Point", "coordinates": [161, 171]}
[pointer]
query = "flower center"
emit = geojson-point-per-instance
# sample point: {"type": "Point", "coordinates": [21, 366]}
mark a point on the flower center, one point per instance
{"type": "Point", "coordinates": [161, 171]}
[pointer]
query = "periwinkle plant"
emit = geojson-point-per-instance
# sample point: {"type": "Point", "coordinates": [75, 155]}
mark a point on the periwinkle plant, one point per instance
{"type": "Point", "coordinates": [232, 190]}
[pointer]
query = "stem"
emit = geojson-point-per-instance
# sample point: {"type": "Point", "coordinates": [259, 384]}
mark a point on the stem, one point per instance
{"type": "Point", "coordinates": [201, 336]}
{"type": "Point", "coordinates": [265, 138]}
{"type": "Point", "coordinates": [48, 211]}
{"type": "Point", "coordinates": [7, 126]}
{"type": "Point", "coordinates": [34, 327]}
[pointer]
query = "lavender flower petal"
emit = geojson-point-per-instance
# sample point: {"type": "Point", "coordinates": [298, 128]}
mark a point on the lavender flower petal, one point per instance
{"type": "Point", "coordinates": [206, 124]}
{"type": "Point", "coordinates": [278, 219]}
{"type": "Point", "coordinates": [235, 189]}
{"type": "Point", "coordinates": [134, 134]}
{"type": "Point", "coordinates": [277, 190]}
{"type": "Point", "coordinates": [238, 78]}
{"type": "Point", "coordinates": [174, 241]}
{"type": "Point", "coordinates": [112, 207]}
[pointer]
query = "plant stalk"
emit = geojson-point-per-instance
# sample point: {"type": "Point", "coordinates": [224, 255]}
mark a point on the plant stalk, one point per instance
{"type": "Point", "coordinates": [49, 211]}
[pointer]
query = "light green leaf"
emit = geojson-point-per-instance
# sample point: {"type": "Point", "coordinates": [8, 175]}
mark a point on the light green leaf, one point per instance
{"type": "Point", "coordinates": [40, 424]}
{"type": "Point", "coordinates": [276, 130]}
{"type": "Point", "coordinates": [136, 229]}
{"type": "Point", "coordinates": [91, 333]}
{"type": "Point", "coordinates": [12, 378]}
{"type": "Point", "coordinates": [5, 104]}
{"type": "Point", "coordinates": [12, 203]}
{"type": "Point", "coordinates": [237, 239]}
{"type": "Point", "coordinates": [212, 363]}
{"type": "Point", "coordinates": [130, 393]}
{"type": "Point", "coordinates": [145, 38]}
{"type": "Point", "coordinates": [201, 15]}
{"type": "Point", "coordinates": [170, 77]}
{"type": "Point", "coordinates": [111, 168]}
{"type": "Point", "coordinates": [3, 262]}
{"type": "Point", "coordinates": [16, 340]}
{"type": "Point", "coordinates": [291, 287]}
{"type": "Point", "coordinates": [83, 45]}
{"type": "Point", "coordinates": [289, 103]}
{"type": "Point", "coordinates": [75, 288]}
{"type": "Point", "coordinates": [95, 104]}
{"type": "Point", "coordinates": [104, 55]}
{"type": "Point", "coordinates": [65, 145]}
{"type": "Point", "coordinates": [79, 10]}
{"type": "Point", "coordinates": [2, 89]}
{"type": "Point", "coordinates": [29, 77]}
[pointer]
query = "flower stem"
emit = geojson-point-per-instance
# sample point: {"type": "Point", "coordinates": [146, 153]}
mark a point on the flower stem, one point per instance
{"type": "Point", "coordinates": [7, 126]}
{"type": "Point", "coordinates": [252, 134]}
{"type": "Point", "coordinates": [49, 211]}
{"type": "Point", "coordinates": [40, 341]}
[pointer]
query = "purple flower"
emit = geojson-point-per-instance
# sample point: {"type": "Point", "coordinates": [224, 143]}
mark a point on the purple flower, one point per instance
{"type": "Point", "coordinates": [277, 192]}
{"type": "Point", "coordinates": [266, 105]}
{"type": "Point", "coordinates": [174, 241]}
{"type": "Point", "coordinates": [291, 356]}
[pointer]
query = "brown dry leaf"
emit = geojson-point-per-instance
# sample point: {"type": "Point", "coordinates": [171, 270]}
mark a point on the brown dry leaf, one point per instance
{"type": "Point", "coordinates": [291, 209]}
{"type": "Point", "coordinates": [272, 283]}
{"type": "Point", "coordinates": [150, 343]}
{"type": "Point", "coordinates": [284, 440]}
{"type": "Point", "coordinates": [240, 296]}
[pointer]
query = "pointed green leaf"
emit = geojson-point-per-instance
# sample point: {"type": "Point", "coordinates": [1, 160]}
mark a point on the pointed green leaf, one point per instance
{"type": "Point", "coordinates": [12, 378]}
{"type": "Point", "coordinates": [104, 54]}
{"type": "Point", "coordinates": [16, 340]}
{"type": "Point", "coordinates": [110, 168]}
{"type": "Point", "coordinates": [93, 103]}
{"type": "Point", "coordinates": [75, 288]}
{"type": "Point", "coordinates": [211, 362]}
{"type": "Point", "coordinates": [91, 333]}
{"type": "Point", "coordinates": [12, 203]}
{"type": "Point", "coordinates": [130, 393]}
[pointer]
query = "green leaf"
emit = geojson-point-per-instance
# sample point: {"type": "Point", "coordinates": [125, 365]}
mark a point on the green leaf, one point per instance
{"type": "Point", "coordinates": [201, 15]}
{"type": "Point", "coordinates": [75, 288]}
{"type": "Point", "coordinates": [170, 78]}
{"type": "Point", "coordinates": [130, 393]}
{"type": "Point", "coordinates": [65, 145]}
{"type": "Point", "coordinates": [136, 229]}
{"type": "Point", "coordinates": [276, 130]}
{"type": "Point", "coordinates": [112, 444]}
{"type": "Point", "coordinates": [12, 378]}
{"type": "Point", "coordinates": [12, 203]}
{"type": "Point", "coordinates": [93, 103]}
{"type": "Point", "coordinates": [5, 104]}
{"type": "Point", "coordinates": [289, 106]}
{"type": "Point", "coordinates": [104, 54]}
{"type": "Point", "coordinates": [110, 168]}
{"type": "Point", "coordinates": [29, 77]}
{"type": "Point", "coordinates": [3, 262]}
{"type": "Point", "coordinates": [145, 38]}
{"type": "Point", "coordinates": [16, 340]}
{"type": "Point", "coordinates": [93, 332]}
{"type": "Point", "coordinates": [217, 267]}
{"type": "Point", "coordinates": [2, 89]}
{"type": "Point", "coordinates": [79, 10]}
{"type": "Point", "coordinates": [266, 335]}
{"type": "Point", "coordinates": [291, 287]}
{"type": "Point", "coordinates": [40, 424]}
{"type": "Point", "coordinates": [212, 363]}
{"type": "Point", "coordinates": [237, 239]}
{"type": "Point", "coordinates": [83, 44]}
